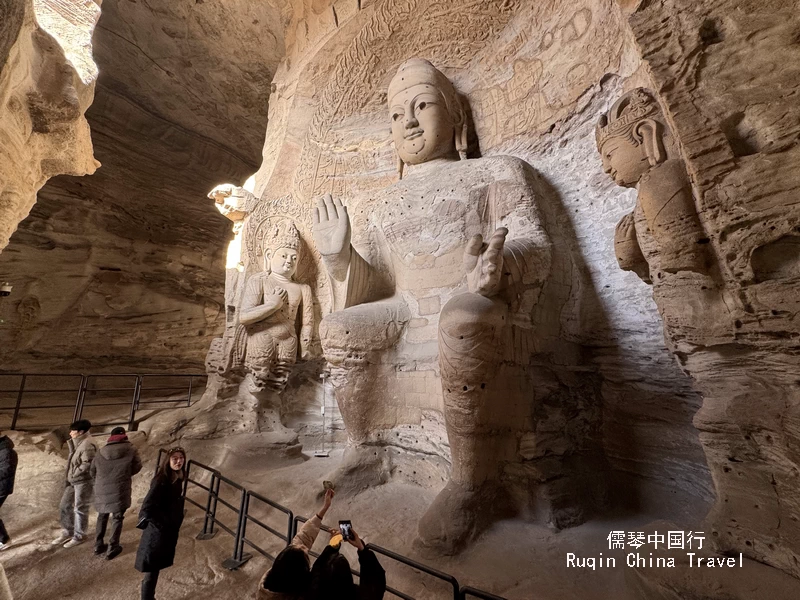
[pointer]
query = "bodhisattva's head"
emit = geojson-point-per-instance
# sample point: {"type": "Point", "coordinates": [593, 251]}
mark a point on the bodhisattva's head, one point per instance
{"type": "Point", "coordinates": [428, 119]}
{"type": "Point", "coordinates": [286, 240]}
{"type": "Point", "coordinates": [630, 137]}
{"type": "Point", "coordinates": [283, 261]}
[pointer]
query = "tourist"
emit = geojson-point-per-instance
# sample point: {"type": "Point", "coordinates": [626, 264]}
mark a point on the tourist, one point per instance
{"type": "Point", "coordinates": [112, 470]}
{"type": "Point", "coordinates": [161, 516]}
{"type": "Point", "coordinates": [75, 501]}
{"type": "Point", "coordinates": [290, 575]}
{"type": "Point", "coordinates": [331, 578]}
{"type": "Point", "coordinates": [8, 471]}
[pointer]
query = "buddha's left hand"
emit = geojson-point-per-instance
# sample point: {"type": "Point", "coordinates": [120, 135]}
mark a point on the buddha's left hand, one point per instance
{"type": "Point", "coordinates": [483, 263]}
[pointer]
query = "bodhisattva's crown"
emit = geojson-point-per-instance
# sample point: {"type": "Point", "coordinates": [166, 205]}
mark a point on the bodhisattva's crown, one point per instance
{"type": "Point", "coordinates": [626, 112]}
{"type": "Point", "coordinates": [283, 234]}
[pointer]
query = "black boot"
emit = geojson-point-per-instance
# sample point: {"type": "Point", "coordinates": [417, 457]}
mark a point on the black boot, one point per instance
{"type": "Point", "coordinates": [149, 585]}
{"type": "Point", "coordinates": [4, 537]}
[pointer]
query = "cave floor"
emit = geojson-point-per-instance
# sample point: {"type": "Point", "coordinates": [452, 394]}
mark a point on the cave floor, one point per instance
{"type": "Point", "coordinates": [515, 559]}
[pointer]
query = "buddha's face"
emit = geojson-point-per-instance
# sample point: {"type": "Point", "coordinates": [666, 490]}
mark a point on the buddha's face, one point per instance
{"type": "Point", "coordinates": [422, 128]}
{"type": "Point", "coordinates": [283, 262]}
{"type": "Point", "coordinates": [624, 161]}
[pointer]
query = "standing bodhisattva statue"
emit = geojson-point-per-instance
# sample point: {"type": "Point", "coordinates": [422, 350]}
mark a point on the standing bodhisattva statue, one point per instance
{"type": "Point", "coordinates": [269, 310]}
{"type": "Point", "coordinates": [636, 152]}
{"type": "Point", "coordinates": [446, 277]}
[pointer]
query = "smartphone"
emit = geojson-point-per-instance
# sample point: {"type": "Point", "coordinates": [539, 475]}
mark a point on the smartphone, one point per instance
{"type": "Point", "coordinates": [347, 530]}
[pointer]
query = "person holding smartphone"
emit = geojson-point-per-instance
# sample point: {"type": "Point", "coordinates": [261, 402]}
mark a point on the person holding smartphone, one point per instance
{"type": "Point", "coordinates": [331, 578]}
{"type": "Point", "coordinates": [290, 575]}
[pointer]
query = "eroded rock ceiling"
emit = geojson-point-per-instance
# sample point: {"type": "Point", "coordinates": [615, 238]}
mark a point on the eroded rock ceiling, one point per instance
{"type": "Point", "coordinates": [180, 105]}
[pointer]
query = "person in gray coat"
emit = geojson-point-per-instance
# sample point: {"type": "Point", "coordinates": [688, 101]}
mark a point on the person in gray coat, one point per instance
{"type": "Point", "coordinates": [77, 497]}
{"type": "Point", "coordinates": [112, 470]}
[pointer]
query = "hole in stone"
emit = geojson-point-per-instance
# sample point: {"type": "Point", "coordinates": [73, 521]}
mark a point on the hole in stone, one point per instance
{"type": "Point", "coordinates": [465, 388]}
{"type": "Point", "coordinates": [711, 32]}
{"type": "Point", "coordinates": [737, 323]}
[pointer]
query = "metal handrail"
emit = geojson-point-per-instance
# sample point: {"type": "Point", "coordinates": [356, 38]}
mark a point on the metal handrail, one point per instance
{"type": "Point", "coordinates": [287, 537]}
{"type": "Point", "coordinates": [240, 557]}
{"type": "Point", "coordinates": [240, 535]}
{"type": "Point", "coordinates": [84, 387]}
{"type": "Point", "coordinates": [475, 593]}
{"type": "Point", "coordinates": [420, 567]}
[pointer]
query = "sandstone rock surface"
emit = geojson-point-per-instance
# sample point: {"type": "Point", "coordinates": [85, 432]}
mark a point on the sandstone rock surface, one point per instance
{"type": "Point", "coordinates": [47, 78]}
{"type": "Point", "coordinates": [327, 134]}
{"type": "Point", "coordinates": [180, 105]}
{"type": "Point", "coordinates": [727, 74]}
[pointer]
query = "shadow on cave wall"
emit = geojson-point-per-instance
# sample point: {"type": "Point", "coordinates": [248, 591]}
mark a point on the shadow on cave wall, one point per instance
{"type": "Point", "coordinates": [637, 421]}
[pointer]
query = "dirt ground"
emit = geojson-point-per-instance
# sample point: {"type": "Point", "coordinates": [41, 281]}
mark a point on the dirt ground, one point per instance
{"type": "Point", "coordinates": [514, 559]}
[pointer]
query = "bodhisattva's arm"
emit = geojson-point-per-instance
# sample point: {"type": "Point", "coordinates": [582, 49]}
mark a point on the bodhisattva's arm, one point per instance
{"type": "Point", "coordinates": [257, 306]}
{"type": "Point", "coordinates": [307, 322]}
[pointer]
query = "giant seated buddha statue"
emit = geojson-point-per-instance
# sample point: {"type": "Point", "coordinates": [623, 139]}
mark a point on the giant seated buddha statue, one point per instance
{"type": "Point", "coordinates": [443, 279]}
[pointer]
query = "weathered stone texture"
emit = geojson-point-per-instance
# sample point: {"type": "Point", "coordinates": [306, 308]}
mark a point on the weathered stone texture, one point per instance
{"type": "Point", "coordinates": [180, 106]}
{"type": "Point", "coordinates": [47, 78]}
{"type": "Point", "coordinates": [728, 74]}
{"type": "Point", "coordinates": [534, 93]}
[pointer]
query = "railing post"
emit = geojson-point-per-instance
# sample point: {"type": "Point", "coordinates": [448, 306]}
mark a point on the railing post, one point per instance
{"type": "Point", "coordinates": [186, 477]}
{"type": "Point", "coordinates": [137, 390]}
{"type": "Point", "coordinates": [158, 460]}
{"type": "Point", "coordinates": [289, 533]}
{"type": "Point", "coordinates": [239, 555]}
{"type": "Point", "coordinates": [211, 509]}
{"type": "Point", "coordinates": [81, 395]}
{"type": "Point", "coordinates": [19, 402]}
{"type": "Point", "coordinates": [189, 398]}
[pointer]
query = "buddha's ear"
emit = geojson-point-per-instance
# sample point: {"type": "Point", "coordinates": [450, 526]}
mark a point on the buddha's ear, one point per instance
{"type": "Point", "coordinates": [400, 165]}
{"type": "Point", "coordinates": [461, 129]}
{"type": "Point", "coordinates": [648, 132]}
{"type": "Point", "coordinates": [267, 256]}
{"type": "Point", "coordinates": [461, 140]}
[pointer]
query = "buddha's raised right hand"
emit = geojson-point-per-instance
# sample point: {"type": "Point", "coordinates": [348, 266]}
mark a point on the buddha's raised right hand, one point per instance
{"type": "Point", "coordinates": [331, 227]}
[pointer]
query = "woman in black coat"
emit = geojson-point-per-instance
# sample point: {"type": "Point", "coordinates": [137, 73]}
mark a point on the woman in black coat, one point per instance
{"type": "Point", "coordinates": [161, 516]}
{"type": "Point", "coordinates": [8, 471]}
{"type": "Point", "coordinates": [331, 578]}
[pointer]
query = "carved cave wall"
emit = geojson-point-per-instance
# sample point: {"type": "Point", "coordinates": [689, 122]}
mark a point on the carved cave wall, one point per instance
{"type": "Point", "coordinates": [727, 73]}
{"type": "Point", "coordinates": [535, 93]}
{"type": "Point", "coordinates": [125, 269]}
